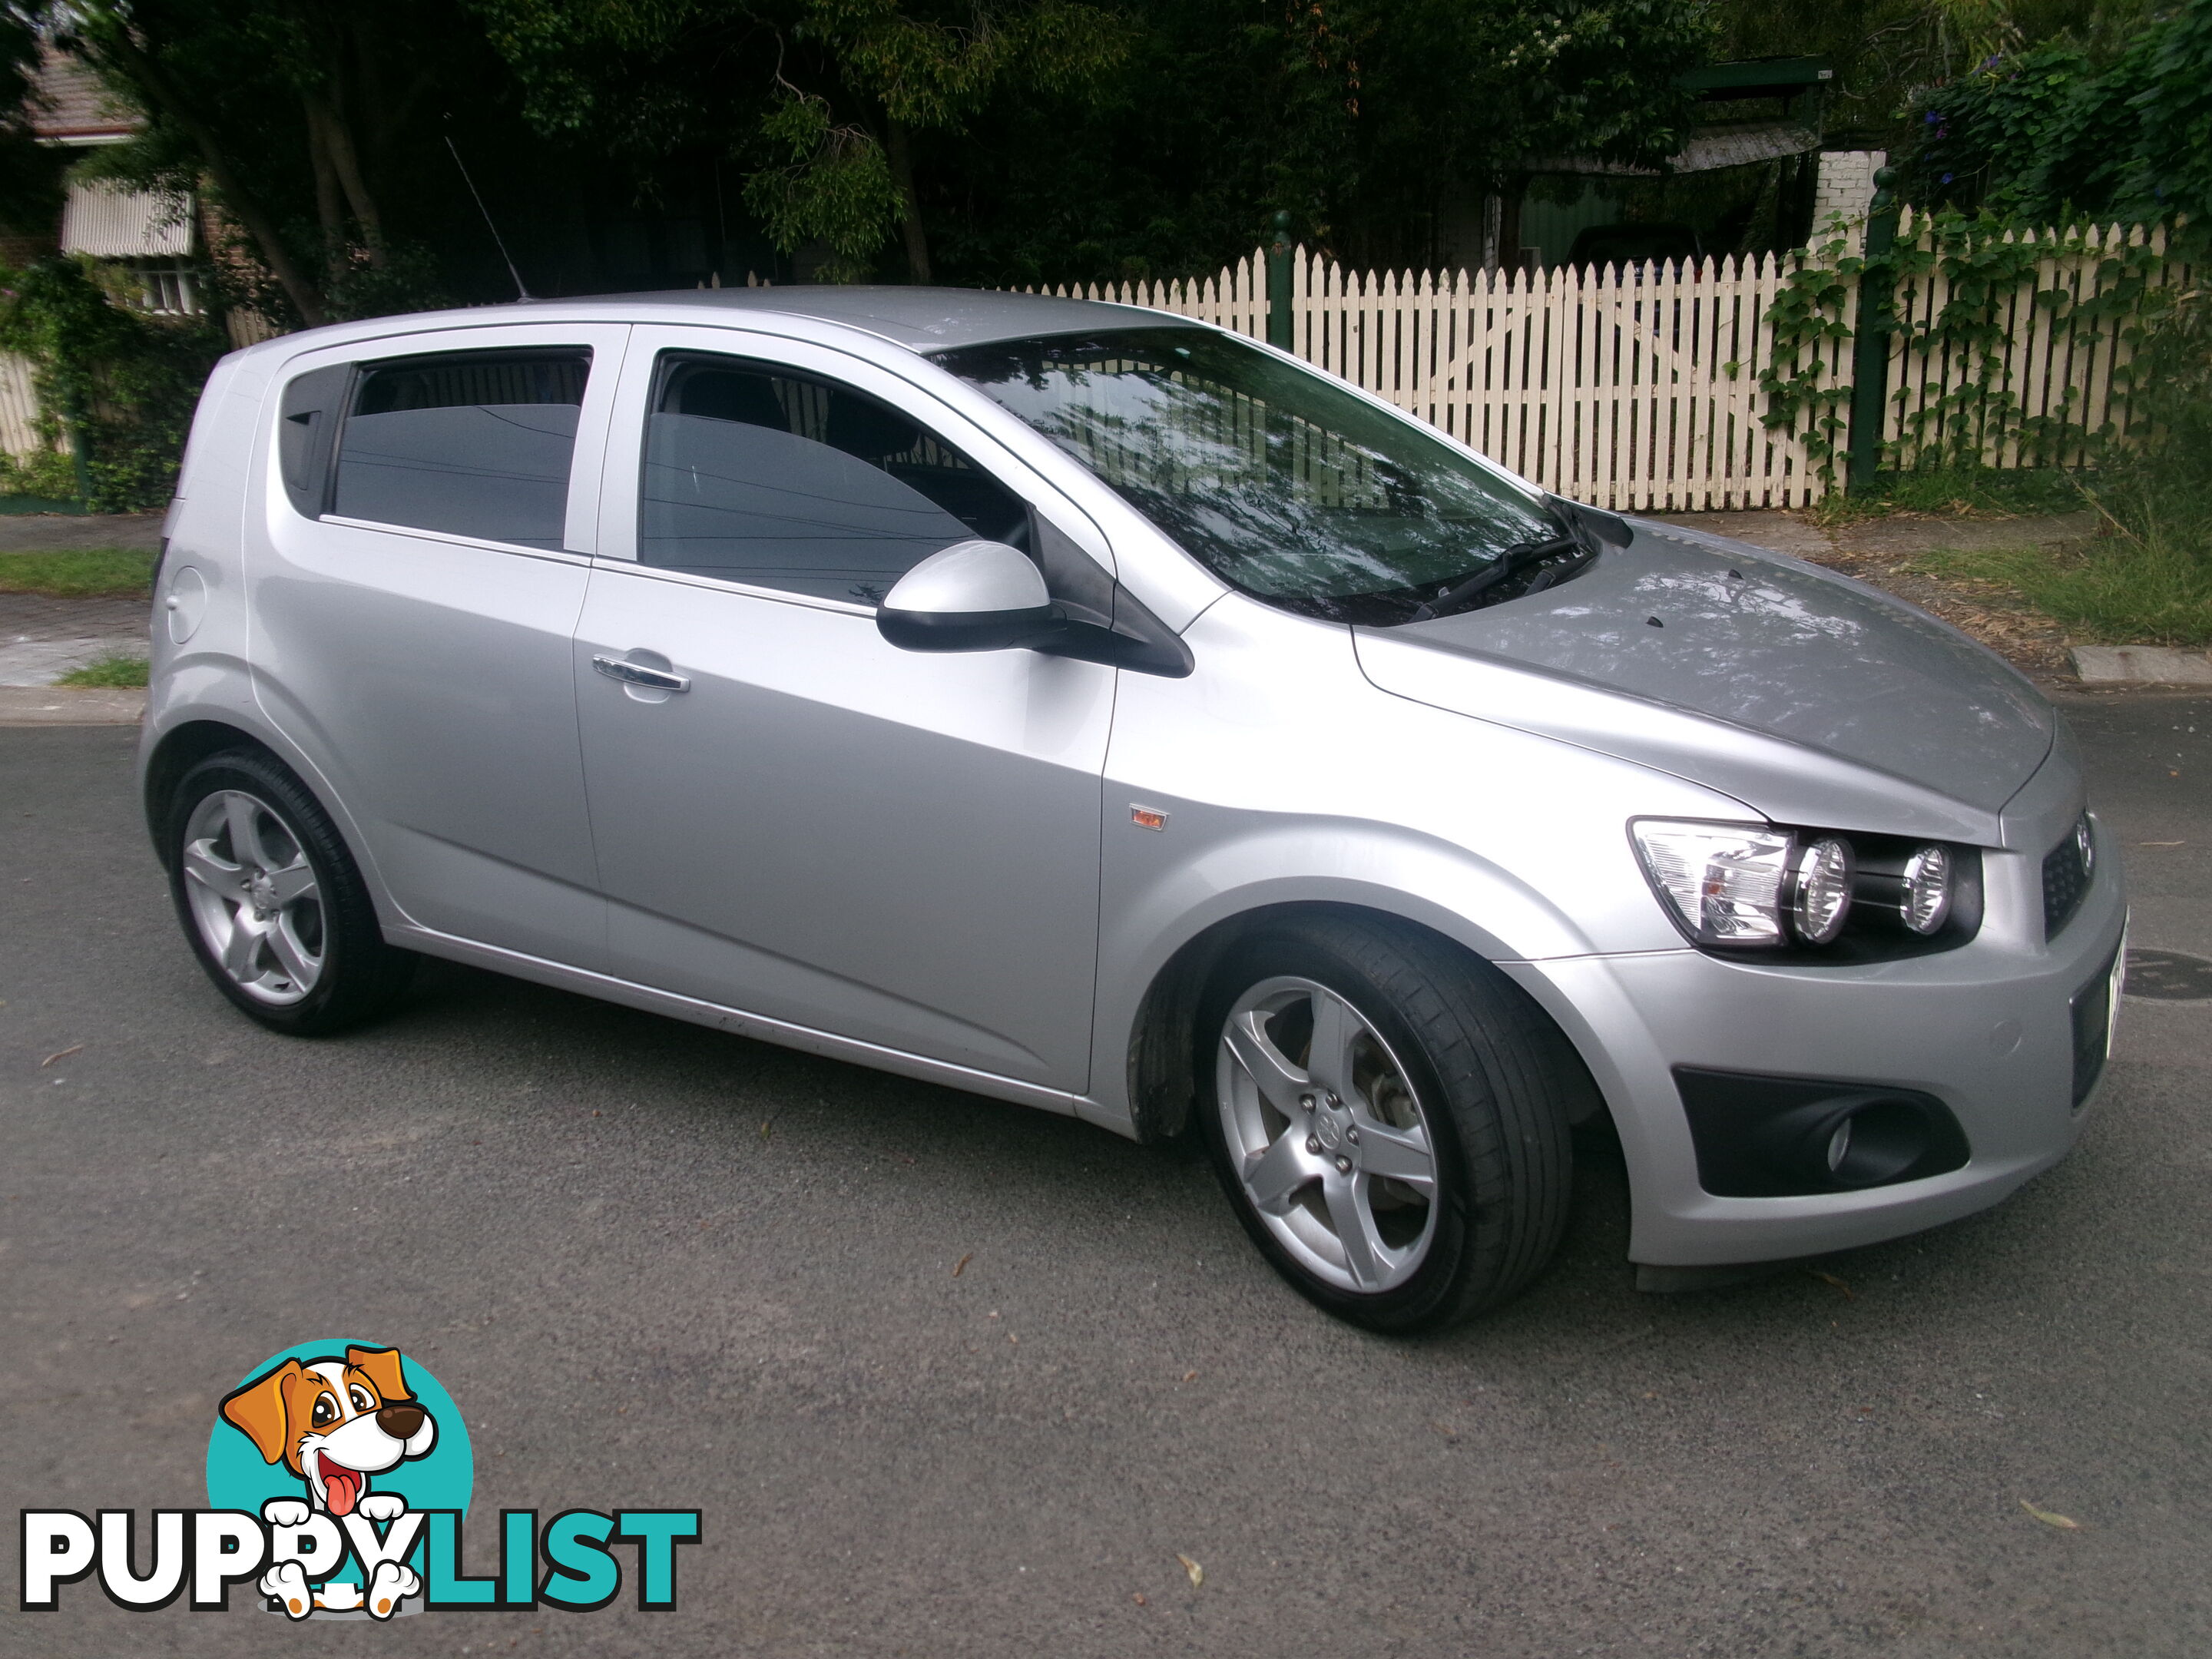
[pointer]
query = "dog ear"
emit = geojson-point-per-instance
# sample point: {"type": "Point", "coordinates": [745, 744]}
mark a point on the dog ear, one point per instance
{"type": "Point", "coordinates": [257, 1411]}
{"type": "Point", "coordinates": [382, 1366]}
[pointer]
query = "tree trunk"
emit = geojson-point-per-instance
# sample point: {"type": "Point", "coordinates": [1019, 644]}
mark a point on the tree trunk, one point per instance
{"type": "Point", "coordinates": [347, 164]}
{"type": "Point", "coordinates": [155, 87]}
{"type": "Point", "coordinates": [329, 214]}
{"type": "Point", "coordinates": [901, 157]}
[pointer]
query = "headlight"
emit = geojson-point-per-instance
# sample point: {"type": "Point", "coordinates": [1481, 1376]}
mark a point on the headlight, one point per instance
{"type": "Point", "coordinates": [1819, 889]}
{"type": "Point", "coordinates": [1925, 905]}
{"type": "Point", "coordinates": [1723, 880]}
{"type": "Point", "coordinates": [1758, 886]}
{"type": "Point", "coordinates": [1747, 885]}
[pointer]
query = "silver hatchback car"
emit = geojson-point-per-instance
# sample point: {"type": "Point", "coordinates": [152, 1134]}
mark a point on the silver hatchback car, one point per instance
{"type": "Point", "coordinates": [1098, 710]}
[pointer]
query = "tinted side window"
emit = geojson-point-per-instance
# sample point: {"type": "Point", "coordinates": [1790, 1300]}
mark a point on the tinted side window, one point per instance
{"type": "Point", "coordinates": [760, 476]}
{"type": "Point", "coordinates": [474, 445]}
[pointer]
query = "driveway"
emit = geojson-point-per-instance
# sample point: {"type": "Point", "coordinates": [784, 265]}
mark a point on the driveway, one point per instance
{"type": "Point", "coordinates": [659, 1266]}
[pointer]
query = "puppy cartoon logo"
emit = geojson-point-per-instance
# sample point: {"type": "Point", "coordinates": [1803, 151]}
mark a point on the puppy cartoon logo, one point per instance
{"type": "Point", "coordinates": [342, 1448]}
{"type": "Point", "coordinates": [335, 1422]}
{"type": "Point", "coordinates": [339, 1480]}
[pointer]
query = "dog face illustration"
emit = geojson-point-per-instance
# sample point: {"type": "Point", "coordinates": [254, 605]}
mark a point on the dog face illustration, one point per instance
{"type": "Point", "coordinates": [334, 1422]}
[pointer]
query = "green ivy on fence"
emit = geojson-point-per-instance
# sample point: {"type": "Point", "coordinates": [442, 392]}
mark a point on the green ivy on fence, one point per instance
{"type": "Point", "coordinates": [1985, 262]}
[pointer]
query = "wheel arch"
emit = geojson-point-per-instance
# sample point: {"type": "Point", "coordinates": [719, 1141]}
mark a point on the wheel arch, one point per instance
{"type": "Point", "coordinates": [191, 740]}
{"type": "Point", "coordinates": [1160, 1059]}
{"type": "Point", "coordinates": [178, 749]}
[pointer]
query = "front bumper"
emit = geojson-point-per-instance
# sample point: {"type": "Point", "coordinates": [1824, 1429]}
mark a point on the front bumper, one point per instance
{"type": "Point", "coordinates": [1988, 1029]}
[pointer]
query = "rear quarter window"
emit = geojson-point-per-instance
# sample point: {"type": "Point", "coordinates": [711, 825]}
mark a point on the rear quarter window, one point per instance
{"type": "Point", "coordinates": [476, 445]}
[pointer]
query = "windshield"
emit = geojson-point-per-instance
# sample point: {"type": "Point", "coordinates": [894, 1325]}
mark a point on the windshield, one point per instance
{"type": "Point", "coordinates": [1277, 478]}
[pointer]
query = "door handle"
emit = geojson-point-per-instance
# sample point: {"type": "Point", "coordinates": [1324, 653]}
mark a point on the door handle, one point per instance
{"type": "Point", "coordinates": [637, 673]}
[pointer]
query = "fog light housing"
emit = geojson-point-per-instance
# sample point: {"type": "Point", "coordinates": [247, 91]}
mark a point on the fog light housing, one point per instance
{"type": "Point", "coordinates": [1761, 1136]}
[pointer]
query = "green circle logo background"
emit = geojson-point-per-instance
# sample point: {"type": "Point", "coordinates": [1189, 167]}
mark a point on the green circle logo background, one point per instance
{"type": "Point", "coordinates": [237, 1478]}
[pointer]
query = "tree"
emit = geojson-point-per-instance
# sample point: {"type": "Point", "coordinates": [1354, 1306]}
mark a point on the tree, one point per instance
{"type": "Point", "coordinates": [2063, 131]}
{"type": "Point", "coordinates": [308, 121]}
{"type": "Point", "coordinates": [829, 97]}
{"type": "Point", "coordinates": [1051, 138]}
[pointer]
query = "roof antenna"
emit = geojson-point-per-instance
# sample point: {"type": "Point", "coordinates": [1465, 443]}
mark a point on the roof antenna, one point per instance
{"type": "Point", "coordinates": [520, 292]}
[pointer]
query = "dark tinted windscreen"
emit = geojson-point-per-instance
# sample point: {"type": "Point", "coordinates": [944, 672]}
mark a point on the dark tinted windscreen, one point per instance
{"type": "Point", "coordinates": [474, 445]}
{"type": "Point", "coordinates": [1279, 480]}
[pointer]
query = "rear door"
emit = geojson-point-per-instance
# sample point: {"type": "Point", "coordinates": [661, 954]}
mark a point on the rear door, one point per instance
{"type": "Point", "coordinates": [817, 827]}
{"type": "Point", "coordinates": [418, 565]}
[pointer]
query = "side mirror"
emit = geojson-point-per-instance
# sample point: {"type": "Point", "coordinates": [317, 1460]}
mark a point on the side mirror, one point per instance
{"type": "Point", "coordinates": [972, 596]}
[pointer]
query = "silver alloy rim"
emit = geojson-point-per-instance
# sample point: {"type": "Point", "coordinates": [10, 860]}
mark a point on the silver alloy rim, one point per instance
{"type": "Point", "coordinates": [1328, 1135]}
{"type": "Point", "coordinates": [254, 897]}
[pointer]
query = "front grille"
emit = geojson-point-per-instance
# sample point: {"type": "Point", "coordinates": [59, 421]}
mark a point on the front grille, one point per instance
{"type": "Point", "coordinates": [2066, 877]}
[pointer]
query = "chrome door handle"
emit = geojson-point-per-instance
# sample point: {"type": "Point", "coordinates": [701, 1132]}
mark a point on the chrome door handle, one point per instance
{"type": "Point", "coordinates": [636, 673]}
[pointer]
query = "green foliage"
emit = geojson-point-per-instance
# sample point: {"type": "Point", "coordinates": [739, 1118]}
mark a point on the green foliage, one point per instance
{"type": "Point", "coordinates": [120, 673]}
{"type": "Point", "coordinates": [2157, 489]}
{"type": "Point", "coordinates": [123, 382]}
{"type": "Point", "coordinates": [80, 572]}
{"type": "Point", "coordinates": [1964, 492]}
{"type": "Point", "coordinates": [2117, 589]}
{"type": "Point", "coordinates": [1983, 264]}
{"type": "Point", "coordinates": [2147, 579]}
{"type": "Point", "coordinates": [824, 101]}
{"type": "Point", "coordinates": [2054, 135]}
{"type": "Point", "coordinates": [1046, 140]}
{"type": "Point", "coordinates": [319, 127]}
{"type": "Point", "coordinates": [834, 186]}
{"type": "Point", "coordinates": [1808, 331]}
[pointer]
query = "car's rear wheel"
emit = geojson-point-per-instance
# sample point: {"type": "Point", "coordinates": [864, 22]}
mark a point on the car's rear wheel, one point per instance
{"type": "Point", "coordinates": [271, 901]}
{"type": "Point", "coordinates": [1389, 1115]}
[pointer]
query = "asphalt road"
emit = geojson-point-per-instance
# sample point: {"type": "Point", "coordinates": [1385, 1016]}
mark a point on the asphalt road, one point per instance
{"type": "Point", "coordinates": [662, 1267]}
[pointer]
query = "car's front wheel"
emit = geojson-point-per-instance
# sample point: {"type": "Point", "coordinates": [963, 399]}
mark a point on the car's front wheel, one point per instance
{"type": "Point", "coordinates": [1389, 1118]}
{"type": "Point", "coordinates": [271, 901]}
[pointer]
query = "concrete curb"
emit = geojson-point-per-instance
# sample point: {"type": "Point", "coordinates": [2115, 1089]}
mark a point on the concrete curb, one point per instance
{"type": "Point", "coordinates": [56, 705]}
{"type": "Point", "coordinates": [2141, 664]}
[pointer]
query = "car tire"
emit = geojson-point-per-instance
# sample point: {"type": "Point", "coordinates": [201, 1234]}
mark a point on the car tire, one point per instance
{"type": "Point", "coordinates": [1389, 1117]}
{"type": "Point", "coordinates": [272, 902]}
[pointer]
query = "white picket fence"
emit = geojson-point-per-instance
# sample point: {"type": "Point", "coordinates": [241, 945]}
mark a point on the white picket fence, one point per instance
{"type": "Point", "coordinates": [2057, 365]}
{"type": "Point", "coordinates": [1636, 388]}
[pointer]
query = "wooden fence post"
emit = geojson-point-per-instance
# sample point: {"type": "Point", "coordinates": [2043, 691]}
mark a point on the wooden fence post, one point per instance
{"type": "Point", "coordinates": [1870, 341]}
{"type": "Point", "coordinates": [1280, 330]}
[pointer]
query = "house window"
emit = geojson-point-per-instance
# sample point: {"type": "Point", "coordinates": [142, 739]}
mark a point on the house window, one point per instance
{"type": "Point", "coordinates": [166, 290]}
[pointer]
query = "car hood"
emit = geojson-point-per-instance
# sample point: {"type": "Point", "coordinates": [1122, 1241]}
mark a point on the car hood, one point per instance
{"type": "Point", "coordinates": [1773, 680]}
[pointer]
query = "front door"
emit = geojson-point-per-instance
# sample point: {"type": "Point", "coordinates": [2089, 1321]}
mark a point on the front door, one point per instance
{"type": "Point", "coordinates": [817, 827]}
{"type": "Point", "coordinates": [418, 557]}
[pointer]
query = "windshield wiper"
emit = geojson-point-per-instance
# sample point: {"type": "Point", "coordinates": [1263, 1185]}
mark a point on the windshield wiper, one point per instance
{"type": "Point", "coordinates": [1511, 562]}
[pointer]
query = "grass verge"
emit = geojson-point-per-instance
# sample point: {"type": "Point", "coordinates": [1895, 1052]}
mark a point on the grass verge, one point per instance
{"type": "Point", "coordinates": [80, 572]}
{"type": "Point", "coordinates": [2116, 590]}
{"type": "Point", "coordinates": [1962, 493]}
{"type": "Point", "coordinates": [121, 672]}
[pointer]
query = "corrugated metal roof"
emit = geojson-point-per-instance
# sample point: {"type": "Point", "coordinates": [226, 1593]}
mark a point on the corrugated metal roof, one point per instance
{"type": "Point", "coordinates": [111, 222]}
{"type": "Point", "coordinates": [70, 106]}
{"type": "Point", "coordinates": [1730, 144]}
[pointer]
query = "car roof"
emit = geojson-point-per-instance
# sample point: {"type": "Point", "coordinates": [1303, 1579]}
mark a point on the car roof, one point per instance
{"type": "Point", "coordinates": [918, 319]}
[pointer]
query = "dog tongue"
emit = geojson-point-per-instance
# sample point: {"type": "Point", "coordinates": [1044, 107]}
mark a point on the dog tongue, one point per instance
{"type": "Point", "coordinates": [343, 1486]}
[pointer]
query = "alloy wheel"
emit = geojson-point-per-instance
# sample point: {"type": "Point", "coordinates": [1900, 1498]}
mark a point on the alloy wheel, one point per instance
{"type": "Point", "coordinates": [1327, 1135]}
{"type": "Point", "coordinates": [254, 897]}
